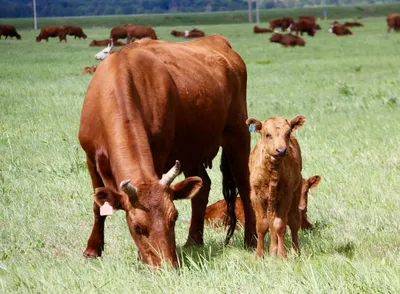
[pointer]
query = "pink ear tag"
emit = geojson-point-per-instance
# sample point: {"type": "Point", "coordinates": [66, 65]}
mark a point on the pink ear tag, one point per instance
{"type": "Point", "coordinates": [106, 209]}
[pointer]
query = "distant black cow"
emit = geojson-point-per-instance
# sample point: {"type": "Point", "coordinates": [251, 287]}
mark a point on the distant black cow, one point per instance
{"type": "Point", "coordinates": [9, 31]}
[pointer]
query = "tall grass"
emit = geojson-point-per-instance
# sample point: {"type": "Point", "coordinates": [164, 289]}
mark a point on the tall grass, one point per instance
{"type": "Point", "coordinates": [347, 87]}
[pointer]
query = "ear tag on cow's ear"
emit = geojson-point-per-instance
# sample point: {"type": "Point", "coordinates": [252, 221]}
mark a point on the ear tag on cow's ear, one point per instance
{"type": "Point", "coordinates": [252, 128]}
{"type": "Point", "coordinates": [106, 209]}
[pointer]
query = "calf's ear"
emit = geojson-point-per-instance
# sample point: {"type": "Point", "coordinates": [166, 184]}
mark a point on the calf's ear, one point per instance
{"type": "Point", "coordinates": [296, 122]}
{"type": "Point", "coordinates": [314, 181]}
{"type": "Point", "coordinates": [187, 188]}
{"type": "Point", "coordinates": [254, 125]}
{"type": "Point", "coordinates": [105, 198]}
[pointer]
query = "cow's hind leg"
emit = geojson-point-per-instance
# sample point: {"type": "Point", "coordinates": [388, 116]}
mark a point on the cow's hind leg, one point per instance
{"type": "Point", "coordinates": [199, 204]}
{"type": "Point", "coordinates": [236, 144]}
{"type": "Point", "coordinates": [95, 244]}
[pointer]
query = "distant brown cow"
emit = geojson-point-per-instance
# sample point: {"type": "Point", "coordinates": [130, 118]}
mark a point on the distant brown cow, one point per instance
{"type": "Point", "coordinates": [140, 32]}
{"type": "Point", "coordinates": [303, 26]}
{"type": "Point", "coordinates": [9, 31]}
{"type": "Point", "coordinates": [194, 33]}
{"type": "Point", "coordinates": [258, 30]}
{"type": "Point", "coordinates": [89, 69]}
{"type": "Point", "coordinates": [105, 43]}
{"type": "Point", "coordinates": [52, 32]}
{"type": "Point", "coordinates": [339, 30]}
{"type": "Point", "coordinates": [119, 33]}
{"type": "Point", "coordinates": [352, 24]}
{"type": "Point", "coordinates": [276, 182]}
{"type": "Point", "coordinates": [393, 22]}
{"type": "Point", "coordinates": [287, 40]}
{"type": "Point", "coordinates": [75, 31]}
{"type": "Point", "coordinates": [307, 17]}
{"type": "Point", "coordinates": [216, 212]}
{"type": "Point", "coordinates": [282, 23]}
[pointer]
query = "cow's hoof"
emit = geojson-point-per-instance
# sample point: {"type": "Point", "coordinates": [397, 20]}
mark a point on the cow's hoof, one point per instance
{"type": "Point", "coordinates": [91, 253]}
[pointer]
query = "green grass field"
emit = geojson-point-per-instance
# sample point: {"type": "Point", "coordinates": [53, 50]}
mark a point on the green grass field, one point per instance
{"type": "Point", "coordinates": [347, 87]}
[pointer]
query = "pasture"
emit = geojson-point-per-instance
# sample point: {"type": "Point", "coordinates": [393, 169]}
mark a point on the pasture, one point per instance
{"type": "Point", "coordinates": [348, 89]}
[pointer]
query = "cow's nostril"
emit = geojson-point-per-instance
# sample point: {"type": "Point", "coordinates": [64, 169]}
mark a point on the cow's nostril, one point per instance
{"type": "Point", "coordinates": [281, 151]}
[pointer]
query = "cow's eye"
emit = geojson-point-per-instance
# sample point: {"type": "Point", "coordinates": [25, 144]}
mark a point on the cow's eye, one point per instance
{"type": "Point", "coordinates": [268, 136]}
{"type": "Point", "coordinates": [139, 230]}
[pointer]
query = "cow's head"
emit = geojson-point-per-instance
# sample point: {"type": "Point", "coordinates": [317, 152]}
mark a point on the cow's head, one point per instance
{"type": "Point", "coordinates": [84, 36]}
{"type": "Point", "coordinates": [103, 54]}
{"type": "Point", "coordinates": [276, 37]}
{"type": "Point", "coordinates": [275, 133]}
{"type": "Point", "coordinates": [151, 213]}
{"type": "Point", "coordinates": [307, 185]}
{"type": "Point", "coordinates": [38, 39]}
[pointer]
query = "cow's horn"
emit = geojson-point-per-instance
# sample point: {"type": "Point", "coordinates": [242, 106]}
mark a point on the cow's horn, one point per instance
{"type": "Point", "coordinates": [170, 176]}
{"type": "Point", "coordinates": [128, 188]}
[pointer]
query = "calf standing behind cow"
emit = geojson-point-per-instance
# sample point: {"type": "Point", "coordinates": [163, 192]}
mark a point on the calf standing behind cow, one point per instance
{"type": "Point", "coordinates": [276, 182]}
{"type": "Point", "coordinates": [132, 33]}
{"type": "Point", "coordinates": [158, 107]}
{"type": "Point", "coordinates": [52, 32]}
{"type": "Point", "coordinates": [75, 31]}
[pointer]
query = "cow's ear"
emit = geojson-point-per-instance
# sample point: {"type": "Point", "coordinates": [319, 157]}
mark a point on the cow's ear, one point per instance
{"type": "Point", "coordinates": [296, 122]}
{"type": "Point", "coordinates": [314, 181]}
{"type": "Point", "coordinates": [187, 188]}
{"type": "Point", "coordinates": [254, 125]}
{"type": "Point", "coordinates": [105, 197]}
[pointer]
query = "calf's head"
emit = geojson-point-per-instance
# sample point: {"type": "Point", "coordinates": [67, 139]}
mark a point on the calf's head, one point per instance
{"type": "Point", "coordinates": [275, 133]}
{"type": "Point", "coordinates": [151, 213]}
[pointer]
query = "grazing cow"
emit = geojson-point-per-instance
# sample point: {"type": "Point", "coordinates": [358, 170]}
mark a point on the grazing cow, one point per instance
{"type": "Point", "coordinates": [89, 69]}
{"type": "Point", "coordinates": [282, 23]}
{"type": "Point", "coordinates": [105, 42]}
{"type": "Point", "coordinates": [393, 22]}
{"type": "Point", "coordinates": [303, 26]}
{"type": "Point", "coordinates": [276, 182]}
{"type": "Point", "coordinates": [52, 32]}
{"type": "Point", "coordinates": [9, 31]}
{"type": "Point", "coordinates": [352, 24]}
{"type": "Point", "coordinates": [154, 105]}
{"type": "Point", "coordinates": [303, 204]}
{"type": "Point", "coordinates": [339, 30]}
{"type": "Point", "coordinates": [287, 40]}
{"type": "Point", "coordinates": [119, 33]}
{"type": "Point", "coordinates": [103, 54]}
{"type": "Point", "coordinates": [75, 31]}
{"type": "Point", "coordinates": [140, 32]}
{"type": "Point", "coordinates": [258, 30]}
{"type": "Point", "coordinates": [216, 212]}
{"type": "Point", "coordinates": [307, 17]}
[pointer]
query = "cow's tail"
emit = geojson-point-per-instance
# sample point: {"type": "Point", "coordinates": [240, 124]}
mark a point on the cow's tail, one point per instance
{"type": "Point", "coordinates": [229, 191]}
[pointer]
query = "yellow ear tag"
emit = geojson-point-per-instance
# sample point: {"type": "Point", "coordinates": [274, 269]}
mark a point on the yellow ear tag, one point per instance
{"type": "Point", "coordinates": [106, 209]}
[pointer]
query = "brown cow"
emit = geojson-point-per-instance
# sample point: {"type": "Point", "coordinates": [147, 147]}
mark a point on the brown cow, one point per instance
{"type": "Point", "coordinates": [303, 204]}
{"type": "Point", "coordinates": [119, 33]}
{"type": "Point", "coordinates": [194, 33]}
{"type": "Point", "coordinates": [303, 26]}
{"type": "Point", "coordinates": [307, 17]}
{"type": "Point", "coordinates": [154, 105]}
{"type": "Point", "coordinates": [105, 43]}
{"type": "Point", "coordinates": [352, 24]}
{"type": "Point", "coordinates": [140, 32]}
{"type": "Point", "coordinates": [393, 22]}
{"type": "Point", "coordinates": [52, 32]}
{"type": "Point", "coordinates": [258, 30]}
{"type": "Point", "coordinates": [89, 69]}
{"type": "Point", "coordinates": [75, 31]}
{"type": "Point", "coordinates": [339, 30]}
{"type": "Point", "coordinates": [287, 40]}
{"type": "Point", "coordinates": [216, 212]}
{"type": "Point", "coordinates": [282, 23]}
{"type": "Point", "coordinates": [276, 182]}
{"type": "Point", "coordinates": [9, 31]}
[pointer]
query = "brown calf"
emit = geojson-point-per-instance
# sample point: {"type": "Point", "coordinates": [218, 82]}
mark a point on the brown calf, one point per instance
{"type": "Point", "coordinates": [276, 182]}
{"type": "Point", "coordinates": [352, 24]}
{"type": "Point", "coordinates": [75, 31]}
{"type": "Point", "coordinates": [140, 32]}
{"type": "Point", "coordinates": [393, 22]}
{"type": "Point", "coordinates": [119, 33]}
{"type": "Point", "coordinates": [216, 212]}
{"type": "Point", "coordinates": [258, 30]}
{"type": "Point", "coordinates": [195, 33]}
{"type": "Point", "coordinates": [105, 43]}
{"type": "Point", "coordinates": [9, 31]}
{"type": "Point", "coordinates": [287, 40]}
{"type": "Point", "coordinates": [282, 23]}
{"type": "Point", "coordinates": [303, 26]}
{"type": "Point", "coordinates": [52, 32]}
{"type": "Point", "coordinates": [89, 69]}
{"type": "Point", "coordinates": [339, 30]}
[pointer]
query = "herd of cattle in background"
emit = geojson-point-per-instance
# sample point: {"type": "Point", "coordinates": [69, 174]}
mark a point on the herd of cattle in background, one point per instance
{"type": "Point", "coordinates": [278, 194]}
